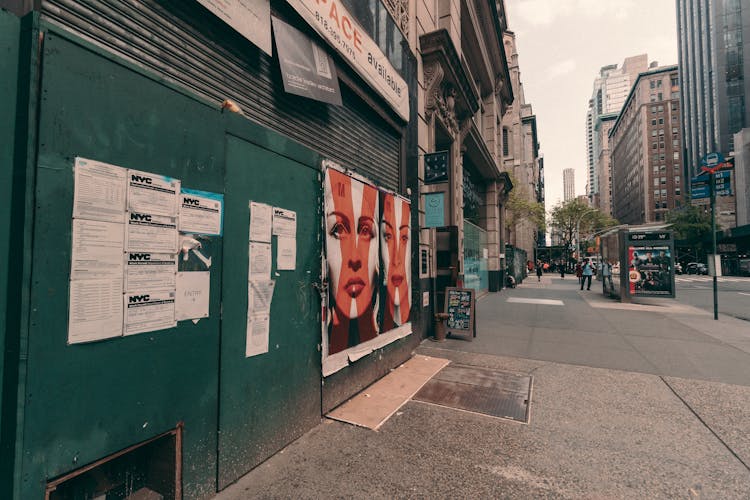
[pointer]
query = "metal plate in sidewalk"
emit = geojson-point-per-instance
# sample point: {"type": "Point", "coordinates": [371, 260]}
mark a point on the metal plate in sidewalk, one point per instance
{"type": "Point", "coordinates": [480, 390]}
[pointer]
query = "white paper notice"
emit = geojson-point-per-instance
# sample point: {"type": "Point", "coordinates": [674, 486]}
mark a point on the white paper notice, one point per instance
{"type": "Point", "coordinates": [250, 18]}
{"type": "Point", "coordinates": [150, 310]}
{"type": "Point", "coordinates": [258, 328]}
{"type": "Point", "coordinates": [152, 193]}
{"type": "Point", "coordinates": [99, 191]}
{"type": "Point", "coordinates": [259, 297]}
{"type": "Point", "coordinates": [284, 222]}
{"type": "Point", "coordinates": [260, 222]}
{"type": "Point", "coordinates": [97, 250]}
{"type": "Point", "coordinates": [200, 212]}
{"type": "Point", "coordinates": [259, 261]}
{"type": "Point", "coordinates": [151, 233]}
{"type": "Point", "coordinates": [192, 295]}
{"type": "Point", "coordinates": [145, 270]}
{"type": "Point", "coordinates": [286, 253]}
{"type": "Point", "coordinates": [95, 310]}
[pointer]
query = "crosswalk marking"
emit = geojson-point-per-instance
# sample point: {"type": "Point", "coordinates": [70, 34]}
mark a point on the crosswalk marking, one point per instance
{"type": "Point", "coordinates": [704, 278]}
{"type": "Point", "coordinates": [546, 302]}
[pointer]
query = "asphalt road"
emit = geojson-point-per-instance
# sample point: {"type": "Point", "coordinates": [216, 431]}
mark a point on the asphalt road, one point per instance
{"type": "Point", "coordinates": [733, 292]}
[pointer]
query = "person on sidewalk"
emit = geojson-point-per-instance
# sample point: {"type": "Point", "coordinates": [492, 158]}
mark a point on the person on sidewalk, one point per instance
{"type": "Point", "coordinates": [562, 269]}
{"type": "Point", "coordinates": [586, 274]}
{"type": "Point", "coordinates": [538, 271]}
{"type": "Point", "coordinates": [579, 272]}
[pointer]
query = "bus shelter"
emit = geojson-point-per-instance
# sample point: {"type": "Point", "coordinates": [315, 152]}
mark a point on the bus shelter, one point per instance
{"type": "Point", "coordinates": [638, 261]}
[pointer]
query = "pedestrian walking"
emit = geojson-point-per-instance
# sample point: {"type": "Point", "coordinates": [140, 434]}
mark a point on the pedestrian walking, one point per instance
{"type": "Point", "coordinates": [579, 271]}
{"type": "Point", "coordinates": [562, 269]}
{"type": "Point", "coordinates": [538, 270]}
{"type": "Point", "coordinates": [586, 273]}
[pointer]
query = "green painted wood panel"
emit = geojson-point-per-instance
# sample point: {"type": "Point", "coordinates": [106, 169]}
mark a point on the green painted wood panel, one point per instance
{"type": "Point", "coordinates": [267, 401]}
{"type": "Point", "coordinates": [83, 402]}
{"type": "Point", "coordinates": [10, 32]}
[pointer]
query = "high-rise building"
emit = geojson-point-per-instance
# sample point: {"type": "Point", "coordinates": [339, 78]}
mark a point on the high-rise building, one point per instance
{"type": "Point", "coordinates": [646, 146]}
{"type": "Point", "coordinates": [714, 62]}
{"type": "Point", "coordinates": [611, 89]}
{"type": "Point", "coordinates": [569, 184]}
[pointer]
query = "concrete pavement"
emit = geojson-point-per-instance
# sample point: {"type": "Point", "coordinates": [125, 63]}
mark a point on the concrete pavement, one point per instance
{"type": "Point", "coordinates": [643, 401]}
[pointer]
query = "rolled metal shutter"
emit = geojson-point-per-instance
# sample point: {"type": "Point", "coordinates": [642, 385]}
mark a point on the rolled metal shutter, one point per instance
{"type": "Point", "coordinates": [216, 63]}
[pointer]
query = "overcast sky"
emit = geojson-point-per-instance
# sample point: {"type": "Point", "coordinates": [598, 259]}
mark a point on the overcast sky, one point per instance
{"type": "Point", "coordinates": [562, 44]}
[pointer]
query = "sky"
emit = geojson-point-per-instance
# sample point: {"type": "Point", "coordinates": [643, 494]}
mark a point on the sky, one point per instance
{"type": "Point", "coordinates": [562, 44]}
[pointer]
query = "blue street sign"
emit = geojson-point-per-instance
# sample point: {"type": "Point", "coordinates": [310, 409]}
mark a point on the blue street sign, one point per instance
{"type": "Point", "coordinates": [699, 191]}
{"type": "Point", "coordinates": [712, 159]}
{"type": "Point", "coordinates": [722, 174]}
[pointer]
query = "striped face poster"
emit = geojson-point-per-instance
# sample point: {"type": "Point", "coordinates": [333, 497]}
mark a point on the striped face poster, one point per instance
{"type": "Point", "coordinates": [368, 256]}
{"type": "Point", "coordinates": [395, 248]}
{"type": "Point", "coordinates": [352, 255]}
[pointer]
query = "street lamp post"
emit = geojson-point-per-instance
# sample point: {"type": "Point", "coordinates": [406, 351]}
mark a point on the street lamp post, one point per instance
{"type": "Point", "coordinates": [578, 232]}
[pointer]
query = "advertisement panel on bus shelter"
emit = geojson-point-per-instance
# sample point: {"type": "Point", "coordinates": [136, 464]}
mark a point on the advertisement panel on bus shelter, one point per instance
{"type": "Point", "coordinates": [650, 271]}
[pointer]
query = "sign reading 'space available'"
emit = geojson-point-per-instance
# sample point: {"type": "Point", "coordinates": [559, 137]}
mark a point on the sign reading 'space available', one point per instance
{"type": "Point", "coordinates": [334, 23]}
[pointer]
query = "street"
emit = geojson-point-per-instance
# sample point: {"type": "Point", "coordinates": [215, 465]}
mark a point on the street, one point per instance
{"type": "Point", "coordinates": [648, 400]}
{"type": "Point", "coordinates": [734, 293]}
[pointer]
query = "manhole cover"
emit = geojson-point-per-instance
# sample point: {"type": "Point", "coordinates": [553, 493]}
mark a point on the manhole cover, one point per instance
{"type": "Point", "coordinates": [480, 390]}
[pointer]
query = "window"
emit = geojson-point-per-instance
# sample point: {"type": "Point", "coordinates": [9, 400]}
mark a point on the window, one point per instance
{"type": "Point", "coordinates": [676, 155]}
{"type": "Point", "coordinates": [656, 194]}
{"type": "Point", "coordinates": [663, 204]}
{"type": "Point", "coordinates": [660, 109]}
{"type": "Point", "coordinates": [656, 169]}
{"type": "Point", "coordinates": [657, 204]}
{"type": "Point", "coordinates": [663, 168]}
{"type": "Point", "coordinates": [653, 133]}
{"type": "Point", "coordinates": [653, 122]}
{"type": "Point", "coordinates": [653, 83]}
{"type": "Point", "coordinates": [674, 106]}
{"type": "Point", "coordinates": [677, 202]}
{"type": "Point", "coordinates": [506, 149]}
{"type": "Point", "coordinates": [677, 179]}
{"type": "Point", "coordinates": [657, 216]}
{"type": "Point", "coordinates": [661, 122]}
{"type": "Point", "coordinates": [653, 98]}
{"type": "Point", "coordinates": [660, 98]}
{"type": "Point", "coordinates": [674, 81]}
{"type": "Point", "coordinates": [653, 109]}
{"type": "Point", "coordinates": [675, 143]}
{"type": "Point", "coordinates": [653, 145]}
{"type": "Point", "coordinates": [676, 166]}
{"type": "Point", "coordinates": [661, 145]}
{"type": "Point", "coordinates": [674, 130]}
{"type": "Point", "coordinates": [656, 182]}
{"type": "Point", "coordinates": [663, 193]}
{"type": "Point", "coordinates": [663, 181]}
{"type": "Point", "coordinates": [677, 193]}
{"type": "Point", "coordinates": [661, 156]}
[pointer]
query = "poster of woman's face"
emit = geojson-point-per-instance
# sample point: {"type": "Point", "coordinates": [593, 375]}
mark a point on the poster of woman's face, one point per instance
{"type": "Point", "coordinates": [395, 247]}
{"type": "Point", "coordinates": [351, 223]}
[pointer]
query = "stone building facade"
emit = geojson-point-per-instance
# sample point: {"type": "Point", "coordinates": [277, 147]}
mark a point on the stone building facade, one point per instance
{"type": "Point", "coordinates": [464, 90]}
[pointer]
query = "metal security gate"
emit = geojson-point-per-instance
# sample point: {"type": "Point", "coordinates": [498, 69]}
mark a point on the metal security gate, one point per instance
{"type": "Point", "coordinates": [186, 44]}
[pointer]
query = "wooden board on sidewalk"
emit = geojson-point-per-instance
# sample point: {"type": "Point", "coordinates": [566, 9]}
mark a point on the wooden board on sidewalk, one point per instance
{"type": "Point", "coordinates": [374, 405]}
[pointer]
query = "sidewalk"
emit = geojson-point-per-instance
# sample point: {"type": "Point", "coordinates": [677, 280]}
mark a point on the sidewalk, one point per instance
{"type": "Point", "coordinates": [594, 432]}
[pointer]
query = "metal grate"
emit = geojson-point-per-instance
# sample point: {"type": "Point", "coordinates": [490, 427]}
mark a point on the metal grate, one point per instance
{"type": "Point", "coordinates": [480, 390]}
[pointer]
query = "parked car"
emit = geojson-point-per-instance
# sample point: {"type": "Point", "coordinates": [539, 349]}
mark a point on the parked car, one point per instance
{"type": "Point", "coordinates": [677, 268]}
{"type": "Point", "coordinates": [696, 268]}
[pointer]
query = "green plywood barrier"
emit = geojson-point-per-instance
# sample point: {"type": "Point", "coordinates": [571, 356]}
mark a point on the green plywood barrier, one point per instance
{"type": "Point", "coordinates": [10, 32]}
{"type": "Point", "coordinates": [85, 401]}
{"type": "Point", "coordinates": [267, 401]}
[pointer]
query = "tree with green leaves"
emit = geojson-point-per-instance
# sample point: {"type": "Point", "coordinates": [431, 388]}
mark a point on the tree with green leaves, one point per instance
{"type": "Point", "coordinates": [565, 218]}
{"type": "Point", "coordinates": [519, 207]}
{"type": "Point", "coordinates": [692, 228]}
